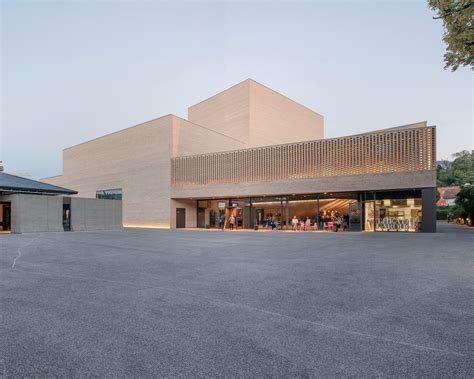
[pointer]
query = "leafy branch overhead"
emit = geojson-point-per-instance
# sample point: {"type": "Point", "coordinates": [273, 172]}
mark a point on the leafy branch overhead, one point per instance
{"type": "Point", "coordinates": [458, 20]}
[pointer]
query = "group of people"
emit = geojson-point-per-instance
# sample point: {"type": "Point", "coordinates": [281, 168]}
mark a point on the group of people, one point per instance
{"type": "Point", "coordinates": [270, 223]}
{"type": "Point", "coordinates": [332, 223]}
{"type": "Point", "coordinates": [302, 224]}
{"type": "Point", "coordinates": [230, 221]}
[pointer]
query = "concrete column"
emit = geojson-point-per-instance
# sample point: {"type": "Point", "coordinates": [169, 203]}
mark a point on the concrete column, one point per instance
{"type": "Point", "coordinates": [281, 213]}
{"type": "Point", "coordinates": [428, 209]}
{"type": "Point", "coordinates": [317, 213]}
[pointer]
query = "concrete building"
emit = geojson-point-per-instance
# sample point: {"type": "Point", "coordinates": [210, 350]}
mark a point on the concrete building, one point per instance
{"type": "Point", "coordinates": [249, 154]}
{"type": "Point", "coordinates": [30, 206]}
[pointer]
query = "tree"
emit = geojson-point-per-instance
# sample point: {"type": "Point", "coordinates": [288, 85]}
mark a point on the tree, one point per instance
{"type": "Point", "coordinates": [463, 167]}
{"type": "Point", "coordinates": [465, 199]}
{"type": "Point", "coordinates": [458, 21]}
{"type": "Point", "coordinates": [459, 172]}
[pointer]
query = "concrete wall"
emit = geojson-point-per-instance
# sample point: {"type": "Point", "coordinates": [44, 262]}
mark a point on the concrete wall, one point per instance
{"type": "Point", "coordinates": [95, 214]}
{"type": "Point", "coordinates": [392, 181]}
{"type": "Point", "coordinates": [191, 212]}
{"type": "Point", "coordinates": [136, 159]}
{"type": "Point", "coordinates": [257, 116]}
{"type": "Point", "coordinates": [428, 198]}
{"type": "Point", "coordinates": [191, 139]}
{"type": "Point", "coordinates": [40, 213]}
{"type": "Point", "coordinates": [35, 213]}
{"type": "Point", "coordinates": [228, 112]}
{"type": "Point", "coordinates": [276, 119]}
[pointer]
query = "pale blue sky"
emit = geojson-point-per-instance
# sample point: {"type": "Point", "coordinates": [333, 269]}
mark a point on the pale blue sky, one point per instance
{"type": "Point", "coordinates": [72, 71]}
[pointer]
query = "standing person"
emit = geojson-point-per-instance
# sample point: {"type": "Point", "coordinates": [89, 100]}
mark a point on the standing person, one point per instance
{"type": "Point", "coordinates": [338, 222]}
{"type": "Point", "coordinates": [308, 223]}
{"type": "Point", "coordinates": [222, 221]}
{"type": "Point", "coordinates": [294, 223]}
{"type": "Point", "coordinates": [449, 218]}
{"type": "Point", "coordinates": [231, 221]}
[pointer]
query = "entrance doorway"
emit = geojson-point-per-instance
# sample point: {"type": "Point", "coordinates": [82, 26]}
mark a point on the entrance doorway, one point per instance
{"type": "Point", "coordinates": [201, 222]}
{"type": "Point", "coordinates": [180, 217]}
{"type": "Point", "coordinates": [5, 217]}
{"type": "Point", "coordinates": [67, 214]}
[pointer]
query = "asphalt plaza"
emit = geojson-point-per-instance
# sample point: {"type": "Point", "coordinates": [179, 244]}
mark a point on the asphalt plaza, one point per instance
{"type": "Point", "coordinates": [190, 303]}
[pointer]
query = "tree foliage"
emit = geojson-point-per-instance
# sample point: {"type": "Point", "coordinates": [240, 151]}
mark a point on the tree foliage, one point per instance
{"type": "Point", "coordinates": [465, 200]}
{"type": "Point", "coordinates": [458, 20]}
{"type": "Point", "coordinates": [458, 172]}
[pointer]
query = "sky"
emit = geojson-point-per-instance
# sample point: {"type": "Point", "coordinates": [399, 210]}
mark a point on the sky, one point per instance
{"type": "Point", "coordinates": [74, 71]}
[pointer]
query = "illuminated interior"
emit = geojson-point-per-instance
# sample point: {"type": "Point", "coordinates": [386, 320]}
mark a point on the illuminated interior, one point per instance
{"type": "Point", "coordinates": [251, 212]}
{"type": "Point", "coordinates": [392, 211]}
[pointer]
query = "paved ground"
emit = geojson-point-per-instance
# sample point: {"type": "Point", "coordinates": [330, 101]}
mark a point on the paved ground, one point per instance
{"type": "Point", "coordinates": [168, 303]}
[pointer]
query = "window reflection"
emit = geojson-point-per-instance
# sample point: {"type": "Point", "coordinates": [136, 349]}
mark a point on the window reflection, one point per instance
{"type": "Point", "coordinates": [110, 194]}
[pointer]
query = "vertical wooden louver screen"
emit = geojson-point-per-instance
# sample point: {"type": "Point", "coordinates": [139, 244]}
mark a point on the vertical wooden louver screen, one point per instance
{"type": "Point", "coordinates": [375, 153]}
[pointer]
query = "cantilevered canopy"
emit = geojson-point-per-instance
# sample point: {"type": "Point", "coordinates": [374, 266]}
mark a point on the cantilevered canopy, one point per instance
{"type": "Point", "coordinates": [16, 184]}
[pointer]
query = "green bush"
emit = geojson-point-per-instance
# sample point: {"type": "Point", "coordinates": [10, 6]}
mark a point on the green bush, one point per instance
{"type": "Point", "coordinates": [456, 212]}
{"type": "Point", "coordinates": [442, 213]}
{"type": "Point", "coordinates": [465, 201]}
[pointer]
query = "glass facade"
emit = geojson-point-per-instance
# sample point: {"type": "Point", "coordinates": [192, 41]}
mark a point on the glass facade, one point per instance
{"type": "Point", "coordinates": [295, 212]}
{"type": "Point", "coordinates": [110, 194]}
{"type": "Point", "coordinates": [393, 215]}
{"type": "Point", "coordinates": [390, 211]}
{"type": "Point", "coordinates": [394, 211]}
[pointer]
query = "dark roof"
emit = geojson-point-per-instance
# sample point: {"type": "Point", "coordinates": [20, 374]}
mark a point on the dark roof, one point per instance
{"type": "Point", "coordinates": [13, 183]}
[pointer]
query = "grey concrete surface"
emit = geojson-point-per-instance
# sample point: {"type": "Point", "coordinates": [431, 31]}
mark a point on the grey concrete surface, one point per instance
{"type": "Point", "coordinates": [35, 213]}
{"type": "Point", "coordinates": [154, 303]}
{"type": "Point", "coordinates": [95, 214]}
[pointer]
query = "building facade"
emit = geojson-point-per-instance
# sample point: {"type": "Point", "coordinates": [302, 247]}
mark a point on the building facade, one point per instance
{"type": "Point", "coordinates": [252, 153]}
{"type": "Point", "coordinates": [30, 206]}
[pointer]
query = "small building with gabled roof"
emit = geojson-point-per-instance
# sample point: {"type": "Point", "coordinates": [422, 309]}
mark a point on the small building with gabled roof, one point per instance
{"type": "Point", "coordinates": [28, 205]}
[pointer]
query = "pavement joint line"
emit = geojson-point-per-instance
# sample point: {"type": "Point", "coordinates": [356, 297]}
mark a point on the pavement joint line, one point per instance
{"type": "Point", "coordinates": [239, 305]}
{"type": "Point", "coordinates": [308, 321]}
{"type": "Point", "coordinates": [19, 252]}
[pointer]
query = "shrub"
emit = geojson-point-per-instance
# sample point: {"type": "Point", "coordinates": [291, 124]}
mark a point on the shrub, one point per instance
{"type": "Point", "coordinates": [442, 213]}
{"type": "Point", "coordinates": [465, 201]}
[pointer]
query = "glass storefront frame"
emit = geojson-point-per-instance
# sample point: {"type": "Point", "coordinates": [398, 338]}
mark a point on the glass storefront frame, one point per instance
{"type": "Point", "coordinates": [371, 211]}
{"type": "Point", "coordinates": [392, 211]}
{"type": "Point", "coordinates": [310, 209]}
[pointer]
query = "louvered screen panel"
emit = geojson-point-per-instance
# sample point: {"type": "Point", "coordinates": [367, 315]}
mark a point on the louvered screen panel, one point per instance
{"type": "Point", "coordinates": [380, 152]}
